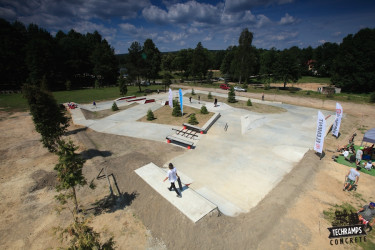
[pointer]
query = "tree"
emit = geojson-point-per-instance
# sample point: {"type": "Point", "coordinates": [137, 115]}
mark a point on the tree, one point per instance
{"type": "Point", "coordinates": [267, 63]}
{"type": "Point", "coordinates": [249, 103]}
{"type": "Point", "coordinates": [105, 64]}
{"type": "Point", "coordinates": [354, 65]}
{"type": "Point", "coordinates": [199, 62]}
{"type": "Point", "coordinates": [69, 172]}
{"type": "Point", "coordinates": [286, 68]}
{"type": "Point", "coordinates": [231, 95]}
{"type": "Point", "coordinates": [176, 109]}
{"type": "Point", "coordinates": [135, 62]}
{"type": "Point", "coordinates": [209, 96]}
{"type": "Point", "coordinates": [193, 120]}
{"type": "Point", "coordinates": [166, 62]}
{"type": "Point", "coordinates": [114, 106]}
{"type": "Point", "coordinates": [150, 115]}
{"type": "Point", "coordinates": [152, 58]}
{"type": "Point", "coordinates": [123, 87]}
{"type": "Point", "coordinates": [49, 119]}
{"type": "Point", "coordinates": [166, 81]}
{"type": "Point", "coordinates": [204, 110]}
{"type": "Point", "coordinates": [244, 60]}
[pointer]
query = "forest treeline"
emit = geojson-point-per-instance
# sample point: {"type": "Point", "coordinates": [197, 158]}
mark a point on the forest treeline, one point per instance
{"type": "Point", "coordinates": [73, 60]}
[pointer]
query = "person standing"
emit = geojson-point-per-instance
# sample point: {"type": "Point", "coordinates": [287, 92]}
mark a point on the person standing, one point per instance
{"type": "Point", "coordinates": [199, 99]}
{"type": "Point", "coordinates": [190, 99]}
{"type": "Point", "coordinates": [352, 178]}
{"type": "Point", "coordinates": [172, 176]}
{"type": "Point", "coordinates": [215, 102]}
{"type": "Point", "coordinates": [358, 156]}
{"type": "Point", "coordinates": [262, 96]}
{"type": "Point", "coordinates": [94, 104]}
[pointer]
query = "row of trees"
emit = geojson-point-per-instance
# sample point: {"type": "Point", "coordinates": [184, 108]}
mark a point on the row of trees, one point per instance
{"type": "Point", "coordinates": [31, 55]}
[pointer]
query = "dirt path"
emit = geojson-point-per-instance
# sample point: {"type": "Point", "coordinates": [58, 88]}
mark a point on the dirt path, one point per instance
{"type": "Point", "coordinates": [290, 217]}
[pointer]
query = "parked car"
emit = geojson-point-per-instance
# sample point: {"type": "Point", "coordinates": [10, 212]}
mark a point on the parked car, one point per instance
{"type": "Point", "coordinates": [224, 86]}
{"type": "Point", "coordinates": [239, 89]}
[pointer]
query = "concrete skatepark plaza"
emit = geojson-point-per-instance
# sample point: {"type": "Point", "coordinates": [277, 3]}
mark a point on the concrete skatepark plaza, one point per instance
{"type": "Point", "coordinates": [233, 168]}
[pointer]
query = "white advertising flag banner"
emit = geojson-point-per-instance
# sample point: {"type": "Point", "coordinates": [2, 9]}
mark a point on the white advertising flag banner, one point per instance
{"type": "Point", "coordinates": [320, 132]}
{"type": "Point", "coordinates": [337, 123]}
{"type": "Point", "coordinates": [170, 101]}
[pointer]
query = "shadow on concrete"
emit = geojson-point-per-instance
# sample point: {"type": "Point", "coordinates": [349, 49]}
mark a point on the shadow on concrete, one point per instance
{"type": "Point", "coordinates": [75, 131]}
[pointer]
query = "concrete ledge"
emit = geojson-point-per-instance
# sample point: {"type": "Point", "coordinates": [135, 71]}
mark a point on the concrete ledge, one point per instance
{"type": "Point", "coordinates": [206, 126]}
{"type": "Point", "coordinates": [192, 205]}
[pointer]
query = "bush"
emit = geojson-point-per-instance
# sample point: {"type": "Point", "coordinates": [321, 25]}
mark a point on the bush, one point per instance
{"type": "Point", "coordinates": [372, 97]}
{"type": "Point", "coordinates": [193, 120]}
{"type": "Point", "coordinates": [114, 106]}
{"type": "Point", "coordinates": [249, 103]}
{"type": "Point", "coordinates": [150, 115]}
{"type": "Point", "coordinates": [204, 110]}
{"type": "Point", "coordinates": [209, 95]}
{"type": "Point", "coordinates": [267, 86]}
{"type": "Point", "coordinates": [176, 109]}
{"type": "Point", "coordinates": [192, 92]}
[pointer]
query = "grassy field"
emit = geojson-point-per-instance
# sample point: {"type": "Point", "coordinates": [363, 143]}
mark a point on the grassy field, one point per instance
{"type": "Point", "coordinates": [15, 102]}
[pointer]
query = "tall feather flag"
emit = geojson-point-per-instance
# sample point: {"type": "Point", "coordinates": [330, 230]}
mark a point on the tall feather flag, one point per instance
{"type": "Point", "coordinates": [170, 98]}
{"type": "Point", "coordinates": [182, 109]}
{"type": "Point", "coordinates": [337, 123]}
{"type": "Point", "coordinates": [320, 133]}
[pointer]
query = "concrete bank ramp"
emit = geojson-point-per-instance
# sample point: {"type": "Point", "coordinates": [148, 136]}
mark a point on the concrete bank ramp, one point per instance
{"type": "Point", "coordinates": [193, 205]}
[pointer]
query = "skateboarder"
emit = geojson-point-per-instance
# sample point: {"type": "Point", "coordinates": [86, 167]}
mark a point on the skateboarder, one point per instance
{"type": "Point", "coordinates": [172, 176]}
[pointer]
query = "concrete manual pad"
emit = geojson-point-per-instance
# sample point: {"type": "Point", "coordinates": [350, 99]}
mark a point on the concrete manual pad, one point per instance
{"type": "Point", "coordinates": [193, 205]}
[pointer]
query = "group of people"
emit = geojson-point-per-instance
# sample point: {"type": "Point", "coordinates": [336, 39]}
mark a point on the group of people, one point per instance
{"type": "Point", "coordinates": [72, 105]}
{"type": "Point", "coordinates": [199, 100]}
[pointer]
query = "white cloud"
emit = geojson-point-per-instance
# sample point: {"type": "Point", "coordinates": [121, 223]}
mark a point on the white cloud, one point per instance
{"type": "Point", "coordinates": [127, 27]}
{"type": "Point", "coordinates": [240, 5]}
{"type": "Point", "coordinates": [7, 13]}
{"type": "Point", "coordinates": [181, 13]}
{"type": "Point", "coordinates": [287, 19]}
{"type": "Point", "coordinates": [338, 33]}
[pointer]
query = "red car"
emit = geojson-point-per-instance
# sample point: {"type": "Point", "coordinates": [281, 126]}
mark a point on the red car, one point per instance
{"type": "Point", "coordinates": [224, 86]}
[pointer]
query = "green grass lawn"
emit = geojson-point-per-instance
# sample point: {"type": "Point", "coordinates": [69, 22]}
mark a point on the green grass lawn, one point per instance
{"type": "Point", "coordinates": [15, 102]}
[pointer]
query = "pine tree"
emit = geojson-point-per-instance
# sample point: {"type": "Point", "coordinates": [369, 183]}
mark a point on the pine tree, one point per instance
{"type": "Point", "coordinates": [176, 109]}
{"type": "Point", "coordinates": [49, 119]}
{"type": "Point", "coordinates": [231, 95]}
{"type": "Point", "coordinates": [192, 92]}
{"type": "Point", "coordinates": [249, 103]}
{"type": "Point", "coordinates": [69, 172]}
{"type": "Point", "coordinates": [150, 115]}
{"type": "Point", "coordinates": [204, 110]}
{"type": "Point", "coordinates": [193, 120]}
{"type": "Point", "coordinates": [114, 106]}
{"type": "Point", "coordinates": [209, 95]}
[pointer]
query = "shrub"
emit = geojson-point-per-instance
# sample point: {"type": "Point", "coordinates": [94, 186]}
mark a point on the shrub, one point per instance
{"type": "Point", "coordinates": [209, 95]}
{"type": "Point", "coordinates": [192, 92]}
{"type": "Point", "coordinates": [204, 110]}
{"type": "Point", "coordinates": [267, 86]}
{"type": "Point", "coordinates": [193, 120]}
{"type": "Point", "coordinates": [114, 106]}
{"type": "Point", "coordinates": [249, 103]}
{"type": "Point", "coordinates": [150, 115]}
{"type": "Point", "coordinates": [308, 92]}
{"type": "Point", "coordinates": [372, 97]}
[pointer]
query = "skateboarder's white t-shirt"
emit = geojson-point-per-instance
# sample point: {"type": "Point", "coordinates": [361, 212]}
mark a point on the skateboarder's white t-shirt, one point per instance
{"type": "Point", "coordinates": [172, 175]}
{"type": "Point", "coordinates": [353, 174]}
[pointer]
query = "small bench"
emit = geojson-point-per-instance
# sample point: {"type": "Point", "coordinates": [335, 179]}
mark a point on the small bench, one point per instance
{"type": "Point", "coordinates": [179, 141]}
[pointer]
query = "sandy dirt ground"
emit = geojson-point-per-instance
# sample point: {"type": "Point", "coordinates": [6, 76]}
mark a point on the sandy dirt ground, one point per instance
{"type": "Point", "coordinates": [289, 217]}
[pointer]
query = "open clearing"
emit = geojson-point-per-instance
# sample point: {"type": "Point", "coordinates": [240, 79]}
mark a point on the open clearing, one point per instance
{"type": "Point", "coordinates": [289, 217]}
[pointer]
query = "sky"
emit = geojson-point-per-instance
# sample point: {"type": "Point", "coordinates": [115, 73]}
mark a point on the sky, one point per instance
{"type": "Point", "coordinates": [174, 25]}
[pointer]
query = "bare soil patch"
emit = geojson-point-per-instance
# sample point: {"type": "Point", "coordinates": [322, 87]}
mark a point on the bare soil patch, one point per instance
{"type": "Point", "coordinates": [290, 216]}
{"type": "Point", "coordinates": [163, 115]}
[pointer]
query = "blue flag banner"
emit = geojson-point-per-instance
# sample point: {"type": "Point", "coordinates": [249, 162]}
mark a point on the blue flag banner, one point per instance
{"type": "Point", "coordinates": [182, 110]}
